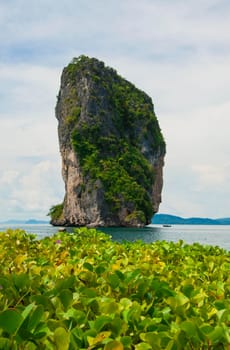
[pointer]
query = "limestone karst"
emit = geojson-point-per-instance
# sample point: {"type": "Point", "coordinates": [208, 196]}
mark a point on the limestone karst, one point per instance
{"type": "Point", "coordinates": [111, 146]}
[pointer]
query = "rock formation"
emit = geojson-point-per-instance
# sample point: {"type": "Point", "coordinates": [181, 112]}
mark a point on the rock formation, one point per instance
{"type": "Point", "coordinates": [111, 146]}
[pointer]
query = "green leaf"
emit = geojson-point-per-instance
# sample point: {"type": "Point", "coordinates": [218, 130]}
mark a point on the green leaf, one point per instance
{"type": "Point", "coordinates": [88, 292]}
{"type": "Point", "coordinates": [118, 326]}
{"type": "Point", "coordinates": [66, 297]}
{"type": "Point", "coordinates": [99, 338]}
{"type": "Point", "coordinates": [205, 329]}
{"type": "Point", "coordinates": [100, 322]}
{"type": "Point", "coordinates": [120, 275]}
{"type": "Point", "coordinates": [76, 337]}
{"type": "Point", "coordinates": [61, 338]}
{"type": "Point", "coordinates": [220, 305]}
{"type": "Point", "coordinates": [66, 283]}
{"type": "Point", "coordinates": [162, 288]}
{"type": "Point", "coordinates": [143, 346]}
{"type": "Point", "coordinates": [130, 276]}
{"type": "Point", "coordinates": [178, 300]}
{"type": "Point", "coordinates": [10, 321]}
{"type": "Point", "coordinates": [109, 307]}
{"type": "Point", "coordinates": [43, 300]}
{"type": "Point", "coordinates": [88, 266]}
{"type": "Point", "coordinates": [53, 324]}
{"type": "Point", "coordinates": [100, 269]}
{"type": "Point", "coordinates": [30, 346]}
{"type": "Point", "coordinates": [166, 313]}
{"type": "Point", "coordinates": [27, 310]}
{"type": "Point", "coordinates": [189, 327]}
{"type": "Point", "coordinates": [172, 345]}
{"type": "Point", "coordinates": [216, 335]}
{"type": "Point", "coordinates": [126, 341]}
{"type": "Point", "coordinates": [21, 281]}
{"type": "Point", "coordinates": [151, 338]}
{"type": "Point", "coordinates": [4, 282]}
{"type": "Point", "coordinates": [134, 313]}
{"type": "Point", "coordinates": [41, 330]}
{"type": "Point", "coordinates": [126, 303]}
{"type": "Point", "coordinates": [187, 290]}
{"type": "Point", "coordinates": [78, 315]}
{"type": "Point", "coordinates": [114, 280]}
{"type": "Point", "coordinates": [35, 317]}
{"type": "Point", "coordinates": [114, 345]}
{"type": "Point", "coordinates": [5, 344]}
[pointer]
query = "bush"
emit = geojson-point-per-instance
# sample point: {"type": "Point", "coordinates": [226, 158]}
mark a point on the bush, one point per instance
{"type": "Point", "coordinates": [83, 291]}
{"type": "Point", "coordinates": [56, 211]}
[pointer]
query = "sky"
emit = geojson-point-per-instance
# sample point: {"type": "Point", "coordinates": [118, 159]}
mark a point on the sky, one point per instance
{"type": "Point", "coordinates": [177, 51]}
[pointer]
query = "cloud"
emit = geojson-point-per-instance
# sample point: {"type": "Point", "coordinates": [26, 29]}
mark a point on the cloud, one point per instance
{"type": "Point", "coordinates": [30, 193]}
{"type": "Point", "coordinates": [27, 91]}
{"type": "Point", "coordinates": [198, 156]}
{"type": "Point", "coordinates": [211, 176]}
{"type": "Point", "coordinates": [8, 177]}
{"type": "Point", "coordinates": [29, 138]}
{"type": "Point", "coordinates": [147, 29]}
{"type": "Point", "coordinates": [27, 116]}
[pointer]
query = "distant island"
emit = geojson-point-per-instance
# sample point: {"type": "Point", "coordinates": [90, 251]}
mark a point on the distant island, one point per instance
{"type": "Point", "coordinates": [24, 222]}
{"type": "Point", "coordinates": [166, 219]}
{"type": "Point", "coordinates": [161, 219]}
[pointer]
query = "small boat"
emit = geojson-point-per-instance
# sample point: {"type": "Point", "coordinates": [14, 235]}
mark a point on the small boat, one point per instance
{"type": "Point", "coordinates": [167, 225]}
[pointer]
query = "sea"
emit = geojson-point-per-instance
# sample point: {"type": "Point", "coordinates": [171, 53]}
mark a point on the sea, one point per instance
{"type": "Point", "coordinates": [215, 235]}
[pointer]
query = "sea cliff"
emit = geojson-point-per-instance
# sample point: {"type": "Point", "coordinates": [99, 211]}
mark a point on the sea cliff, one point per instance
{"type": "Point", "coordinates": [111, 146]}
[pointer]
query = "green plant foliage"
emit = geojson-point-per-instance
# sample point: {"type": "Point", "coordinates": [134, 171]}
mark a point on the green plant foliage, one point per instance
{"type": "Point", "coordinates": [56, 211]}
{"type": "Point", "coordinates": [74, 115]}
{"type": "Point", "coordinates": [83, 291]}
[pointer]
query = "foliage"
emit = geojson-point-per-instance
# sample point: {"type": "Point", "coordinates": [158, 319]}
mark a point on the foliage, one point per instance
{"type": "Point", "coordinates": [56, 211]}
{"type": "Point", "coordinates": [74, 115]}
{"type": "Point", "coordinates": [83, 291]}
{"type": "Point", "coordinates": [119, 124]}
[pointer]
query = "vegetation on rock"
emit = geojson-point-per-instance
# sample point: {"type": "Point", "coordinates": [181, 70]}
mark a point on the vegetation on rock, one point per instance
{"type": "Point", "coordinates": [56, 211]}
{"type": "Point", "coordinates": [83, 291]}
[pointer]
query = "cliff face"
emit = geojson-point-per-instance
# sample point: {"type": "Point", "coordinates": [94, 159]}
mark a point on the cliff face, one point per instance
{"type": "Point", "coordinates": [111, 146]}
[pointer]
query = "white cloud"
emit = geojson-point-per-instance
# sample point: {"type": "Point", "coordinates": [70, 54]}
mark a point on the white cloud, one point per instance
{"type": "Point", "coordinates": [28, 91]}
{"type": "Point", "coordinates": [30, 193]}
{"type": "Point", "coordinates": [36, 190]}
{"type": "Point", "coordinates": [210, 176]}
{"type": "Point", "coordinates": [198, 156]}
{"type": "Point", "coordinates": [8, 177]}
{"type": "Point", "coordinates": [23, 138]}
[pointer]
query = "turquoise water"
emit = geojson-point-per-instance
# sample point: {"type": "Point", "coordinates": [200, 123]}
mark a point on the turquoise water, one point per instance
{"type": "Point", "coordinates": [216, 235]}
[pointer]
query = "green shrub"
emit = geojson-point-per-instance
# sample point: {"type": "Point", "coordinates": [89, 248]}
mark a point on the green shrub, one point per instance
{"type": "Point", "coordinates": [74, 115]}
{"type": "Point", "coordinates": [83, 291]}
{"type": "Point", "coordinates": [56, 211]}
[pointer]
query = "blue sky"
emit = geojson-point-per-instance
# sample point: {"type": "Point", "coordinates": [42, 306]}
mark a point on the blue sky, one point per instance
{"type": "Point", "coordinates": [177, 51]}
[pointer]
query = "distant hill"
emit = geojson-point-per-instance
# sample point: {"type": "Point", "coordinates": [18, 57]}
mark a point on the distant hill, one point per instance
{"type": "Point", "coordinates": [25, 222]}
{"type": "Point", "coordinates": [166, 219]}
{"type": "Point", "coordinates": [34, 221]}
{"type": "Point", "coordinates": [224, 221]}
